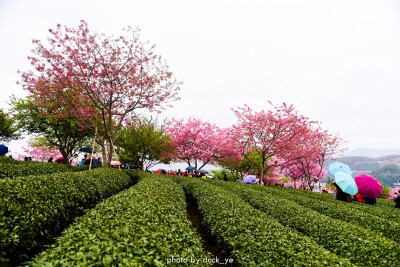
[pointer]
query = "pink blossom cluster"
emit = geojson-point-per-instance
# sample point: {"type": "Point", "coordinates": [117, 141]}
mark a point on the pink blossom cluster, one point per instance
{"type": "Point", "coordinates": [99, 79]}
{"type": "Point", "coordinates": [287, 143]}
{"type": "Point", "coordinates": [41, 153]}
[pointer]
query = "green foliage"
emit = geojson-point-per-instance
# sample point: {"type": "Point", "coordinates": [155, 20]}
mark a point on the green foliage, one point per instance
{"type": "Point", "coordinates": [4, 159]}
{"type": "Point", "coordinates": [34, 209]}
{"type": "Point", "coordinates": [387, 174]}
{"type": "Point", "coordinates": [220, 174]}
{"type": "Point", "coordinates": [251, 237]}
{"type": "Point", "coordinates": [338, 237]}
{"type": "Point", "coordinates": [82, 168]}
{"type": "Point", "coordinates": [143, 226]}
{"type": "Point", "coordinates": [64, 134]}
{"type": "Point", "coordinates": [143, 144]}
{"type": "Point", "coordinates": [10, 168]}
{"type": "Point", "coordinates": [8, 129]}
{"type": "Point", "coordinates": [251, 162]}
{"type": "Point", "coordinates": [20, 169]}
{"type": "Point", "coordinates": [385, 190]}
{"type": "Point", "coordinates": [355, 213]}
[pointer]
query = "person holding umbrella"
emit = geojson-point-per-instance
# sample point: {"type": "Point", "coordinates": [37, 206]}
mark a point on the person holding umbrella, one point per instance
{"type": "Point", "coordinates": [370, 200]}
{"type": "Point", "coordinates": [346, 186]}
{"type": "Point", "coordinates": [369, 187]}
{"type": "Point", "coordinates": [340, 195]}
{"type": "Point", "coordinates": [397, 199]}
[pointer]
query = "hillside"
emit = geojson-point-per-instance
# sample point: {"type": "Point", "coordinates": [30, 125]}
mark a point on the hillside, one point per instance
{"type": "Point", "coordinates": [367, 164]}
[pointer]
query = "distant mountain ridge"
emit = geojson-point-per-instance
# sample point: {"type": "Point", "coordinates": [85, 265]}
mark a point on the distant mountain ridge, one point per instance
{"type": "Point", "coordinates": [365, 160]}
{"type": "Point", "coordinates": [371, 152]}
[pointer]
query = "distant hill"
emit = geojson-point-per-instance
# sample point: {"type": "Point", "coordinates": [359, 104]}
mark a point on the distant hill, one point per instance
{"type": "Point", "coordinates": [368, 164]}
{"type": "Point", "coordinates": [371, 152]}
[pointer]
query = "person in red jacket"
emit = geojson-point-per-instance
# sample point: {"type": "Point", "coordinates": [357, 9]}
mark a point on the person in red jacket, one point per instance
{"type": "Point", "coordinates": [359, 198]}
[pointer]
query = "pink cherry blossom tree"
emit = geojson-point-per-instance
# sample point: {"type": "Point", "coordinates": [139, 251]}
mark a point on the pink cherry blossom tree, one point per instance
{"type": "Point", "coordinates": [316, 146]}
{"type": "Point", "coordinates": [273, 133]}
{"type": "Point", "coordinates": [198, 143]}
{"type": "Point", "coordinates": [101, 80]}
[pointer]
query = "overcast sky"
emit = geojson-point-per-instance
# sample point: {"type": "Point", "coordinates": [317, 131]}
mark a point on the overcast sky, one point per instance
{"type": "Point", "coordinates": [336, 61]}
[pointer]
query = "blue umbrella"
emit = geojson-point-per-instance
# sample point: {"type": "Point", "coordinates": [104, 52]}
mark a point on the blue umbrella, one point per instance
{"type": "Point", "coordinates": [337, 167]}
{"type": "Point", "coordinates": [190, 168]}
{"type": "Point", "coordinates": [3, 150]}
{"type": "Point", "coordinates": [128, 166]}
{"type": "Point", "coordinates": [249, 179]}
{"type": "Point", "coordinates": [86, 150]}
{"type": "Point", "coordinates": [346, 183]}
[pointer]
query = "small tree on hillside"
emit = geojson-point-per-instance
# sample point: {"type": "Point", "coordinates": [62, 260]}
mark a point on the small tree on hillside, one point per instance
{"type": "Point", "coordinates": [143, 144]}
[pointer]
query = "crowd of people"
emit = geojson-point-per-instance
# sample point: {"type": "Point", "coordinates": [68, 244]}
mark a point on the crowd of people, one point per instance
{"type": "Point", "coordinates": [75, 161]}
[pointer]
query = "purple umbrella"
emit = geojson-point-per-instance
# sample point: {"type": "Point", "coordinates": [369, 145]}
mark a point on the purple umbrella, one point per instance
{"type": "Point", "coordinates": [249, 179]}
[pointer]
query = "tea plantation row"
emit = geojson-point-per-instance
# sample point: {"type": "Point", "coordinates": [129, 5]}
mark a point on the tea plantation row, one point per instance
{"type": "Point", "coordinates": [10, 168]}
{"type": "Point", "coordinates": [385, 211]}
{"type": "Point", "coordinates": [146, 224]}
{"type": "Point", "coordinates": [359, 245]}
{"type": "Point", "coordinates": [251, 237]}
{"type": "Point", "coordinates": [35, 209]}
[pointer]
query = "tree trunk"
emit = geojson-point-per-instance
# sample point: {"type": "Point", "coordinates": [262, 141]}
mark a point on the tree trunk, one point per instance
{"type": "Point", "coordinates": [103, 151]}
{"type": "Point", "coordinates": [262, 174]}
{"type": "Point", "coordinates": [64, 155]}
{"type": "Point", "coordinates": [110, 154]}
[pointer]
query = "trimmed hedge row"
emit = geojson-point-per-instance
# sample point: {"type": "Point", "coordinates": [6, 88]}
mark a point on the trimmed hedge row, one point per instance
{"type": "Point", "coordinates": [342, 211]}
{"type": "Point", "coordinates": [359, 245]}
{"type": "Point", "coordinates": [4, 159]}
{"type": "Point", "coordinates": [145, 225]}
{"type": "Point", "coordinates": [252, 238]}
{"type": "Point", "coordinates": [34, 209]}
{"type": "Point", "coordinates": [385, 202]}
{"type": "Point", "coordinates": [12, 170]}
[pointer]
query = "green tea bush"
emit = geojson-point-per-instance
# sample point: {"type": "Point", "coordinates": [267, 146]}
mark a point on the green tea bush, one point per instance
{"type": "Point", "coordinates": [361, 246]}
{"type": "Point", "coordinates": [82, 168]}
{"type": "Point", "coordinates": [145, 225]}
{"type": "Point", "coordinates": [385, 202]}
{"type": "Point", "coordinates": [251, 237]}
{"type": "Point", "coordinates": [344, 211]}
{"type": "Point", "coordinates": [4, 159]}
{"type": "Point", "coordinates": [12, 170]}
{"type": "Point", "coordinates": [34, 209]}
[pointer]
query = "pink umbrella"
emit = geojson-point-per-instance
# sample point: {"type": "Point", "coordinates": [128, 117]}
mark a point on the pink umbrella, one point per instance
{"type": "Point", "coordinates": [368, 186]}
